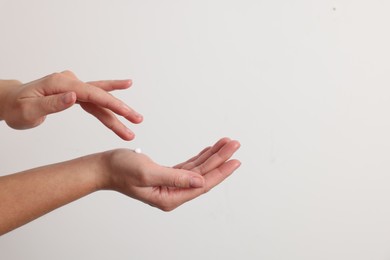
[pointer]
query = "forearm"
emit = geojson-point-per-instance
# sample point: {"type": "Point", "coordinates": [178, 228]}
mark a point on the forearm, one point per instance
{"type": "Point", "coordinates": [30, 194]}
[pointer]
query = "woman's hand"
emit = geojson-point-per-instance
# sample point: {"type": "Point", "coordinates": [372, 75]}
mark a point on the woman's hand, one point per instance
{"type": "Point", "coordinates": [27, 105]}
{"type": "Point", "coordinates": [166, 188]}
{"type": "Point", "coordinates": [30, 194]}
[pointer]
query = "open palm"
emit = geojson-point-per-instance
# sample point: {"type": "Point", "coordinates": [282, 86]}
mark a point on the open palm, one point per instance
{"type": "Point", "coordinates": [168, 187]}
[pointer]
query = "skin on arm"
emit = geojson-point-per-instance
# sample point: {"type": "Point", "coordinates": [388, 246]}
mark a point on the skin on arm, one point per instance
{"type": "Point", "coordinates": [30, 194]}
{"type": "Point", "coordinates": [27, 105]}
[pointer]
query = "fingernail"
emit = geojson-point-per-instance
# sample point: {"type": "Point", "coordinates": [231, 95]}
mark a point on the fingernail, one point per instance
{"type": "Point", "coordinates": [196, 182]}
{"type": "Point", "coordinates": [138, 115]}
{"type": "Point", "coordinates": [238, 165]}
{"type": "Point", "coordinates": [130, 133]}
{"type": "Point", "coordinates": [68, 98]}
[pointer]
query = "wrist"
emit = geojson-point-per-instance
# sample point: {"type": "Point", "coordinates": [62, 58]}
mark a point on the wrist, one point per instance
{"type": "Point", "coordinates": [99, 170]}
{"type": "Point", "coordinates": [112, 164]}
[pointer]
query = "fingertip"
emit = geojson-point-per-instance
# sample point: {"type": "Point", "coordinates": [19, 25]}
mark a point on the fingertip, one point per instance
{"type": "Point", "coordinates": [130, 114]}
{"type": "Point", "coordinates": [120, 83]}
{"type": "Point", "coordinates": [135, 117]}
{"type": "Point", "coordinates": [236, 163]}
{"type": "Point", "coordinates": [231, 164]}
{"type": "Point", "coordinates": [139, 119]}
{"type": "Point", "coordinates": [127, 83]}
{"type": "Point", "coordinates": [124, 133]}
{"type": "Point", "coordinates": [236, 144]}
{"type": "Point", "coordinates": [128, 139]}
{"type": "Point", "coordinates": [129, 135]}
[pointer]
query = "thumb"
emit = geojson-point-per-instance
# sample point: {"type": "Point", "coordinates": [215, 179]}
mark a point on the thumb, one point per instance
{"type": "Point", "coordinates": [178, 178]}
{"type": "Point", "coordinates": [55, 103]}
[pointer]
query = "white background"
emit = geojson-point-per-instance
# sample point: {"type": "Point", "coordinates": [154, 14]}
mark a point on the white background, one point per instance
{"type": "Point", "coordinates": [303, 85]}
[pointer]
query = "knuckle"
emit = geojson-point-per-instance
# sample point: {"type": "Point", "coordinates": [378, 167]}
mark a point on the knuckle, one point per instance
{"type": "Point", "coordinates": [54, 105]}
{"type": "Point", "coordinates": [202, 168]}
{"type": "Point", "coordinates": [180, 181]}
{"type": "Point", "coordinates": [183, 180]}
{"type": "Point", "coordinates": [13, 82]}
{"type": "Point", "coordinates": [67, 72]}
{"type": "Point", "coordinates": [110, 121]}
{"type": "Point", "coordinates": [110, 125]}
{"type": "Point", "coordinates": [54, 78]}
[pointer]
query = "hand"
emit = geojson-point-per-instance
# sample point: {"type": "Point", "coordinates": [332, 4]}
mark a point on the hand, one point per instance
{"type": "Point", "coordinates": [27, 105]}
{"type": "Point", "coordinates": [137, 176]}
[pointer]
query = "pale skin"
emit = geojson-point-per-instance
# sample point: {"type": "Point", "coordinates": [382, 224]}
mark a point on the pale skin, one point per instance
{"type": "Point", "coordinates": [25, 106]}
{"type": "Point", "coordinates": [28, 195]}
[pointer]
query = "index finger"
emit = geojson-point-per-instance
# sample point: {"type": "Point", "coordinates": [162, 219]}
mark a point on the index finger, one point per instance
{"type": "Point", "coordinates": [110, 85]}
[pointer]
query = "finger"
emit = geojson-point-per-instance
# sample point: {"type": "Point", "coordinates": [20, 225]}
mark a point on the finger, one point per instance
{"type": "Point", "coordinates": [109, 120]}
{"type": "Point", "coordinates": [216, 176]}
{"type": "Point", "coordinates": [99, 97]}
{"type": "Point", "coordinates": [43, 106]}
{"type": "Point", "coordinates": [58, 83]}
{"type": "Point", "coordinates": [203, 157]}
{"type": "Point", "coordinates": [107, 85]}
{"type": "Point", "coordinates": [110, 85]}
{"type": "Point", "coordinates": [103, 99]}
{"type": "Point", "coordinates": [170, 177]}
{"type": "Point", "coordinates": [180, 165]}
{"type": "Point", "coordinates": [212, 179]}
{"type": "Point", "coordinates": [217, 158]}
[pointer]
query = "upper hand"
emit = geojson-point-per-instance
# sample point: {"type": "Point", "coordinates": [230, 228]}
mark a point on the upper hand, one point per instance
{"type": "Point", "coordinates": [137, 176]}
{"type": "Point", "coordinates": [27, 105]}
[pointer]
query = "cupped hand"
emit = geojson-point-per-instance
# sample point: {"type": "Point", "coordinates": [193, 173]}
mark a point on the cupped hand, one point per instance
{"type": "Point", "coordinates": [27, 105]}
{"type": "Point", "coordinates": [166, 188]}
